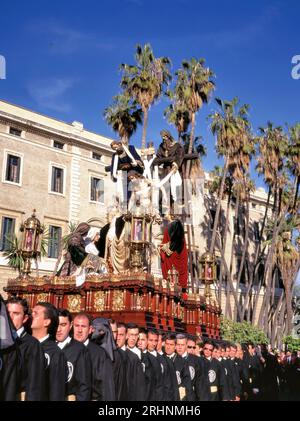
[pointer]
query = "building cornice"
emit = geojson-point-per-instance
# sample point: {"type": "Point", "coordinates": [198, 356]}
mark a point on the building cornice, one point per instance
{"type": "Point", "coordinates": [99, 142]}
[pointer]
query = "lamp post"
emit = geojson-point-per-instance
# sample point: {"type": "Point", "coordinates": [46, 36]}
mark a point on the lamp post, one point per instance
{"type": "Point", "coordinates": [31, 230]}
{"type": "Point", "coordinates": [207, 272]}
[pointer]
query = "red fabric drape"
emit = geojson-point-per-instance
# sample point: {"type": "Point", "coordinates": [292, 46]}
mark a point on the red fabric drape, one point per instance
{"type": "Point", "coordinates": [178, 260]}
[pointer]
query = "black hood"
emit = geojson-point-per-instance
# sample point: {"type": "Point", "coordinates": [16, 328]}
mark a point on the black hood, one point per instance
{"type": "Point", "coordinates": [103, 336]}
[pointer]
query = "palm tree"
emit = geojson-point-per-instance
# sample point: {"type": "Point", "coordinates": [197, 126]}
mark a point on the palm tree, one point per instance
{"type": "Point", "coordinates": [196, 85]}
{"type": "Point", "coordinates": [230, 127]}
{"type": "Point", "coordinates": [14, 254]}
{"type": "Point", "coordinates": [123, 116]}
{"type": "Point", "coordinates": [177, 112]}
{"type": "Point", "coordinates": [273, 148]}
{"type": "Point", "coordinates": [145, 81]}
{"type": "Point", "coordinates": [294, 157]}
{"type": "Point", "coordinates": [214, 188]}
{"type": "Point", "coordinates": [287, 258]}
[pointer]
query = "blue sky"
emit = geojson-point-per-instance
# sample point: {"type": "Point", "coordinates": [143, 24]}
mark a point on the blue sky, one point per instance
{"type": "Point", "coordinates": [63, 57]}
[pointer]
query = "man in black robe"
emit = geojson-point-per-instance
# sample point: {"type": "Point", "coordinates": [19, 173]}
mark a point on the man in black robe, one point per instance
{"type": "Point", "coordinates": [119, 366]}
{"type": "Point", "coordinates": [44, 325]}
{"type": "Point", "coordinates": [181, 368]}
{"type": "Point", "coordinates": [214, 374]}
{"type": "Point", "coordinates": [135, 377]}
{"type": "Point", "coordinates": [10, 362]}
{"type": "Point", "coordinates": [165, 367]}
{"type": "Point", "coordinates": [271, 374]}
{"type": "Point", "coordinates": [79, 381]}
{"type": "Point", "coordinates": [236, 381]}
{"type": "Point", "coordinates": [93, 336]}
{"type": "Point", "coordinates": [152, 370]}
{"type": "Point", "coordinates": [32, 356]}
{"type": "Point", "coordinates": [255, 373]}
{"type": "Point", "coordinates": [194, 366]}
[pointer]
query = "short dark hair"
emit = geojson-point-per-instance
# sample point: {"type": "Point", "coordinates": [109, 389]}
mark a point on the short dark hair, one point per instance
{"type": "Point", "coordinates": [121, 324]}
{"type": "Point", "coordinates": [22, 301]}
{"type": "Point", "coordinates": [131, 326]}
{"type": "Point", "coordinates": [143, 330]}
{"type": "Point", "coordinates": [63, 312]}
{"type": "Point", "coordinates": [209, 342]}
{"type": "Point", "coordinates": [152, 332]}
{"type": "Point", "coordinates": [170, 337]}
{"type": "Point", "coordinates": [50, 312]}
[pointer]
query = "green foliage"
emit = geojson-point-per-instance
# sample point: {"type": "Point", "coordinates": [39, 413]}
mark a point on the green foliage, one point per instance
{"type": "Point", "coordinates": [71, 228]}
{"type": "Point", "coordinates": [291, 343]}
{"type": "Point", "coordinates": [123, 115]}
{"type": "Point", "coordinates": [14, 254]}
{"type": "Point", "coordinates": [242, 332]}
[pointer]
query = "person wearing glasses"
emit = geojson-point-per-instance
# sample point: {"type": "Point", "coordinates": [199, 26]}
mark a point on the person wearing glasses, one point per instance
{"type": "Point", "coordinates": [194, 364]}
{"type": "Point", "coordinates": [191, 346]}
{"type": "Point", "coordinates": [215, 376]}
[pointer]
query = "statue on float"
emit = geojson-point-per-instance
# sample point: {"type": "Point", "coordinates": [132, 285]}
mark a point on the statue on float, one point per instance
{"type": "Point", "coordinates": [170, 154]}
{"type": "Point", "coordinates": [124, 159]}
{"type": "Point", "coordinates": [82, 256]}
{"type": "Point", "coordinates": [173, 253]}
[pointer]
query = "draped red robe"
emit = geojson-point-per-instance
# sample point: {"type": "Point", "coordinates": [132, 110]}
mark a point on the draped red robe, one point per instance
{"type": "Point", "coordinates": [178, 260]}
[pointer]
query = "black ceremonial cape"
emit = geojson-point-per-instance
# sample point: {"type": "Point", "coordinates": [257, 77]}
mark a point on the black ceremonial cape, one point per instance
{"type": "Point", "coordinates": [56, 371]}
{"type": "Point", "coordinates": [79, 382]}
{"type": "Point", "coordinates": [103, 387]}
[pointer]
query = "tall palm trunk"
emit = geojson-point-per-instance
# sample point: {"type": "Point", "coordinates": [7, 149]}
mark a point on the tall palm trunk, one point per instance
{"type": "Point", "coordinates": [274, 328]}
{"type": "Point", "coordinates": [216, 221]}
{"type": "Point", "coordinates": [289, 309]}
{"type": "Point", "coordinates": [191, 143]}
{"type": "Point", "coordinates": [263, 319]}
{"type": "Point", "coordinates": [245, 246]}
{"type": "Point", "coordinates": [233, 248]}
{"type": "Point", "coordinates": [257, 254]}
{"type": "Point", "coordinates": [145, 125]}
{"type": "Point", "coordinates": [224, 247]}
{"type": "Point", "coordinates": [229, 280]}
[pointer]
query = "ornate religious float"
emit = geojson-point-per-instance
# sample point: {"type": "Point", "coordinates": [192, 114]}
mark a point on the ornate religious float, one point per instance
{"type": "Point", "coordinates": [119, 281]}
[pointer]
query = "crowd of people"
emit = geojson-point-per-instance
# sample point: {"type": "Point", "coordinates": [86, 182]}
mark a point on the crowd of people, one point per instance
{"type": "Point", "coordinates": [57, 357]}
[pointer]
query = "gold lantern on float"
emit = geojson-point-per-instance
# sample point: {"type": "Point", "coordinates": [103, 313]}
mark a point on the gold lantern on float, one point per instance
{"type": "Point", "coordinates": [138, 238]}
{"type": "Point", "coordinates": [208, 272]}
{"type": "Point", "coordinates": [31, 230]}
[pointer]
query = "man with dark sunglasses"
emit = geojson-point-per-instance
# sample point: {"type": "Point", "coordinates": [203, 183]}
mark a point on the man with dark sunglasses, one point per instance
{"type": "Point", "coordinates": [217, 386]}
{"type": "Point", "coordinates": [191, 346]}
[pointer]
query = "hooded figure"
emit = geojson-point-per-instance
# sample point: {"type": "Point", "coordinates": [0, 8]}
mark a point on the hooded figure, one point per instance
{"type": "Point", "coordinates": [174, 252]}
{"type": "Point", "coordinates": [76, 251]}
{"type": "Point", "coordinates": [101, 348]}
{"type": "Point", "coordinates": [102, 335]}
